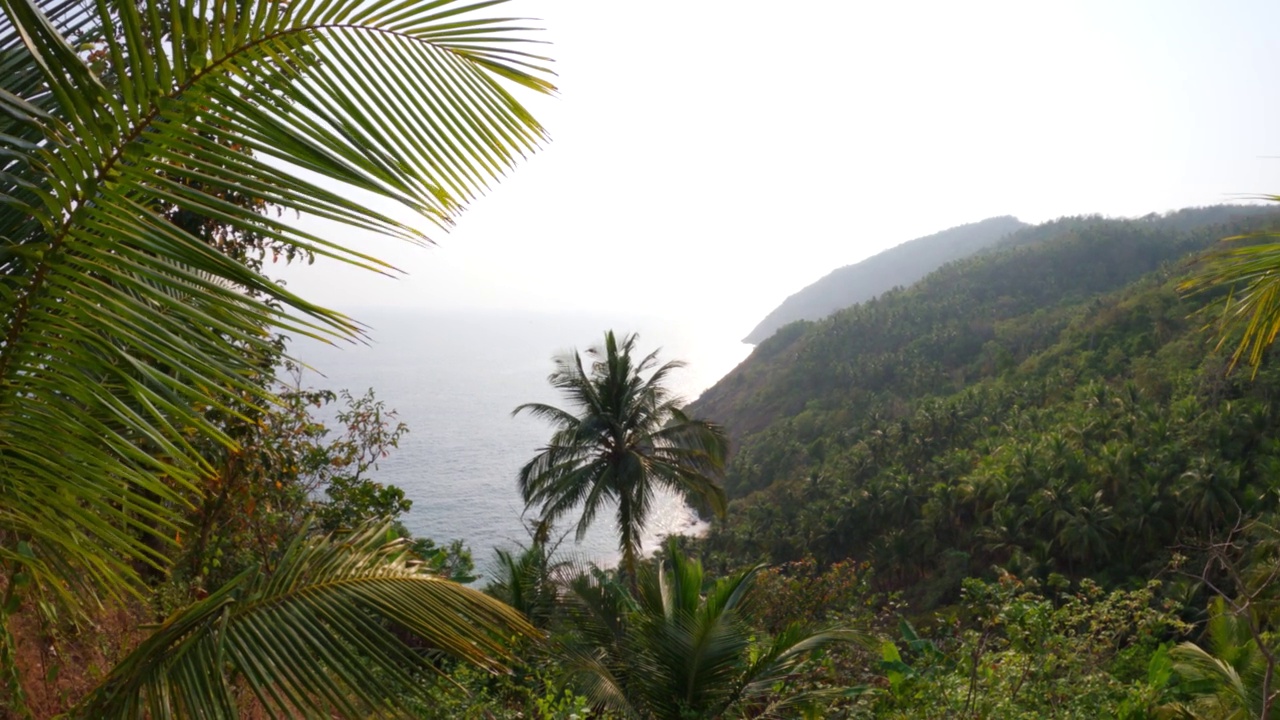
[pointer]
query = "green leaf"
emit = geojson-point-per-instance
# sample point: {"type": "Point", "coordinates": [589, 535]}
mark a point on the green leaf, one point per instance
{"type": "Point", "coordinates": [316, 635]}
{"type": "Point", "coordinates": [119, 322]}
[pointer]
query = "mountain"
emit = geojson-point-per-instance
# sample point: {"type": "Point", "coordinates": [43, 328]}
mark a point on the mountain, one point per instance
{"type": "Point", "coordinates": [898, 266]}
{"type": "Point", "coordinates": [1050, 406]}
{"type": "Point", "coordinates": [926, 338]}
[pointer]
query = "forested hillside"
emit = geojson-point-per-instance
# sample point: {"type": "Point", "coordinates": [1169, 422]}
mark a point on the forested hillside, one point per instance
{"type": "Point", "coordinates": [898, 266]}
{"type": "Point", "coordinates": [1050, 407]}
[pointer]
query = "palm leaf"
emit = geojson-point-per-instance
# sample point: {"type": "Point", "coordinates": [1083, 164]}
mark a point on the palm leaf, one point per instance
{"type": "Point", "coordinates": [119, 324]}
{"type": "Point", "coordinates": [1227, 679]}
{"type": "Point", "coordinates": [1248, 267]}
{"type": "Point", "coordinates": [674, 651]}
{"type": "Point", "coordinates": [315, 637]}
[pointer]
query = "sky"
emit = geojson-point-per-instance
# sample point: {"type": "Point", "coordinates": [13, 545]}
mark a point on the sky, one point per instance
{"type": "Point", "coordinates": [710, 158]}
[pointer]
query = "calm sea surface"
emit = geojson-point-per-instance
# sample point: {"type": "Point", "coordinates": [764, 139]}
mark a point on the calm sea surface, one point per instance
{"type": "Point", "coordinates": [454, 380]}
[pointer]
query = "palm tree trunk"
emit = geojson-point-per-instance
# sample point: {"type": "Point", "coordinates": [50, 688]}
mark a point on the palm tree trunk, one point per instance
{"type": "Point", "coordinates": [630, 543]}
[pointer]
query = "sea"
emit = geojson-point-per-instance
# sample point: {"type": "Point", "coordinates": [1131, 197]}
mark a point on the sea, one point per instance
{"type": "Point", "coordinates": [454, 379]}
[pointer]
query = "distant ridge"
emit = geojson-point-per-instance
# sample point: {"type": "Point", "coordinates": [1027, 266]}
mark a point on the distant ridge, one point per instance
{"type": "Point", "coordinates": [900, 265]}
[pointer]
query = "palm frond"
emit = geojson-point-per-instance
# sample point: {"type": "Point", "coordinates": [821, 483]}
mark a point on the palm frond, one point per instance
{"type": "Point", "coordinates": [589, 672]}
{"type": "Point", "coordinates": [673, 650]}
{"type": "Point", "coordinates": [119, 323]}
{"type": "Point", "coordinates": [317, 636]}
{"type": "Point", "coordinates": [1248, 268]}
{"type": "Point", "coordinates": [1227, 679]}
{"type": "Point", "coordinates": [781, 658]}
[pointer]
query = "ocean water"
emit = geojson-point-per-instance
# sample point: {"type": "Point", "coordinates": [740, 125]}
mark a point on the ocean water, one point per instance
{"type": "Point", "coordinates": [454, 379]}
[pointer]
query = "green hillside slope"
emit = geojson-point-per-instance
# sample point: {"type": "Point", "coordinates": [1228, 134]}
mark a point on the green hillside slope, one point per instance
{"type": "Point", "coordinates": [898, 266]}
{"type": "Point", "coordinates": [1051, 407]}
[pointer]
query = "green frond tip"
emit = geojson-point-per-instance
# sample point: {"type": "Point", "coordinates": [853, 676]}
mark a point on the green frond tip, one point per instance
{"type": "Point", "coordinates": [318, 636]}
{"type": "Point", "coordinates": [1247, 270]}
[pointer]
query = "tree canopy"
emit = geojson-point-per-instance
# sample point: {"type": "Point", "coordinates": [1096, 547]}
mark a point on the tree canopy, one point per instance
{"type": "Point", "coordinates": [625, 438]}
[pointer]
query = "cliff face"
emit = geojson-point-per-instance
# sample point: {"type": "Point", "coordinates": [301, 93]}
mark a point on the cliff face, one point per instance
{"type": "Point", "coordinates": [901, 265]}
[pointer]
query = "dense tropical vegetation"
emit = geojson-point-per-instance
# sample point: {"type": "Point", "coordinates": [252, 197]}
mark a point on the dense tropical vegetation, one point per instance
{"type": "Point", "coordinates": [1054, 410]}
{"type": "Point", "coordinates": [992, 415]}
{"type": "Point", "coordinates": [1029, 485]}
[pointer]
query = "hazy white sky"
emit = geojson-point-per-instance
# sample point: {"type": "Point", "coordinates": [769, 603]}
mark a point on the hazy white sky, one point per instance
{"type": "Point", "coordinates": [714, 156]}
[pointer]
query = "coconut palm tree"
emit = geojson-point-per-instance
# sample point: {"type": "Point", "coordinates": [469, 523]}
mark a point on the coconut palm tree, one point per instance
{"type": "Point", "coordinates": [624, 439]}
{"type": "Point", "coordinates": [671, 652]}
{"type": "Point", "coordinates": [126, 332]}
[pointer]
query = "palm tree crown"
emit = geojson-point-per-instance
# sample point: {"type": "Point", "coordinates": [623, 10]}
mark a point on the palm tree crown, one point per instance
{"type": "Point", "coordinates": [624, 439]}
{"type": "Point", "coordinates": [671, 651]}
